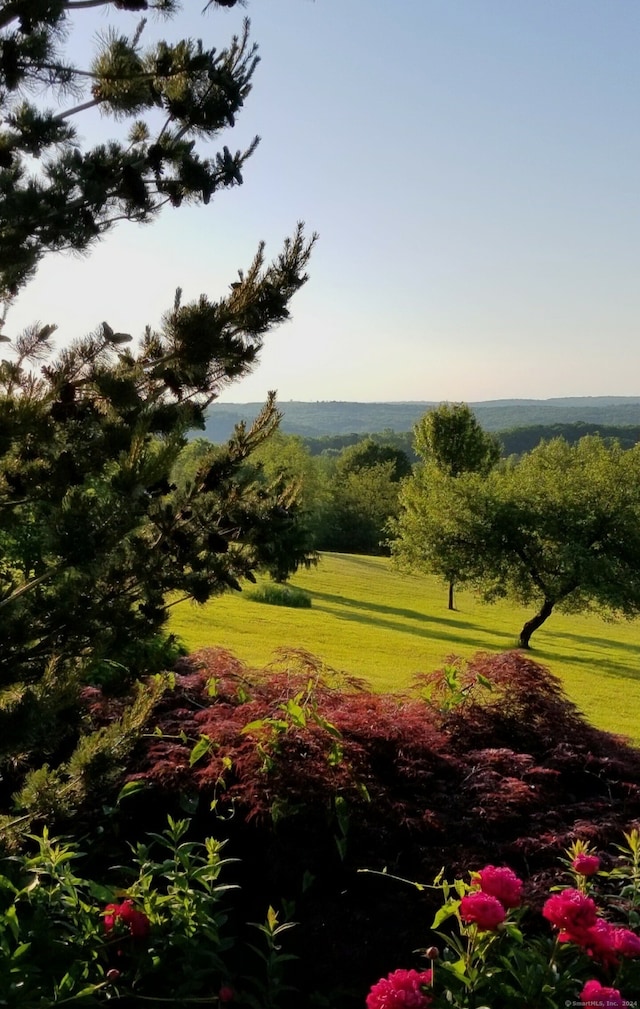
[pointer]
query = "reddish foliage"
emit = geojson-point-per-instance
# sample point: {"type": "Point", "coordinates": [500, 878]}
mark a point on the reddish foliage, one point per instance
{"type": "Point", "coordinates": [509, 776]}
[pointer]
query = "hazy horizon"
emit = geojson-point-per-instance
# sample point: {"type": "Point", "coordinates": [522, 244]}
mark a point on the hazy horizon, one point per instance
{"type": "Point", "coordinates": [418, 402]}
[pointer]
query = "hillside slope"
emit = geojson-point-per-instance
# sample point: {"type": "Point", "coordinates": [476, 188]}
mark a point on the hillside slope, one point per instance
{"type": "Point", "coordinates": [320, 418]}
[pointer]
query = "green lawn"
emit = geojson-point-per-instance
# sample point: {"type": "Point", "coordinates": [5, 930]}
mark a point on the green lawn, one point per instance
{"type": "Point", "coordinates": [370, 620]}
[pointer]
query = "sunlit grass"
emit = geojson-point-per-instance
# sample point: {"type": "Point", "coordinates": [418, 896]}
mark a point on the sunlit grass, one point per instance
{"type": "Point", "coordinates": [370, 620]}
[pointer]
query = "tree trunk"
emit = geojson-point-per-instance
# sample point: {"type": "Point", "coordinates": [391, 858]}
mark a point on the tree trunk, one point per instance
{"type": "Point", "coordinates": [451, 601]}
{"type": "Point", "coordinates": [535, 622]}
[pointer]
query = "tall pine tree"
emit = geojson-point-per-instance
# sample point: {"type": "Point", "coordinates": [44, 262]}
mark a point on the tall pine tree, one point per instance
{"type": "Point", "coordinates": [95, 541]}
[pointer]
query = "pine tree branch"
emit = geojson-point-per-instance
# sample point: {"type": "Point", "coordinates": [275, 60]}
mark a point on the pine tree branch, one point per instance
{"type": "Point", "coordinates": [81, 4]}
{"type": "Point", "coordinates": [78, 108]}
{"type": "Point", "coordinates": [148, 75]}
{"type": "Point", "coordinates": [58, 68]}
{"type": "Point", "coordinates": [28, 586]}
{"type": "Point", "coordinates": [183, 599]}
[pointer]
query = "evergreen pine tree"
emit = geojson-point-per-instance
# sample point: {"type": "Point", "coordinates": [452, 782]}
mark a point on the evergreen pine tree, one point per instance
{"type": "Point", "coordinates": [95, 540]}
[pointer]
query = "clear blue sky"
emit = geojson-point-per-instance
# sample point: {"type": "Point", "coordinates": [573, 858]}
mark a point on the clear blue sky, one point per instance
{"type": "Point", "coordinates": [473, 169]}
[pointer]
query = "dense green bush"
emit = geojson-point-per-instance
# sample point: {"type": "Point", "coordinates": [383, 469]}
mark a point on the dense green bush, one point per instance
{"type": "Point", "coordinates": [154, 929]}
{"type": "Point", "coordinates": [280, 595]}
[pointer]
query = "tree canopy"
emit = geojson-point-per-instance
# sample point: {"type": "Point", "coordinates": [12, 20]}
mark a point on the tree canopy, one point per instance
{"type": "Point", "coordinates": [559, 528]}
{"type": "Point", "coordinates": [450, 440]}
{"type": "Point", "coordinates": [451, 437]}
{"type": "Point", "coordinates": [367, 454]}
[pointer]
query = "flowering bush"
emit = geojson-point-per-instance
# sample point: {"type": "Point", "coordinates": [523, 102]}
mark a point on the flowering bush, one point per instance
{"type": "Point", "coordinates": [65, 939]}
{"type": "Point", "coordinates": [396, 782]}
{"type": "Point", "coordinates": [595, 994]}
{"type": "Point", "coordinates": [570, 910]}
{"type": "Point", "coordinates": [487, 961]}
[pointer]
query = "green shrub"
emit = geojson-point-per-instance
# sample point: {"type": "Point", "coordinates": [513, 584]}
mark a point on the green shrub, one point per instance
{"type": "Point", "coordinates": [280, 595]}
{"type": "Point", "coordinates": [138, 658]}
{"type": "Point", "coordinates": [154, 932]}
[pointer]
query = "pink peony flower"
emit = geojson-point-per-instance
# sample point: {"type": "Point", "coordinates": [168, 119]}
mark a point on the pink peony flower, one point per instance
{"type": "Point", "coordinates": [598, 941]}
{"type": "Point", "coordinates": [501, 883]}
{"type": "Point", "coordinates": [483, 909]}
{"type": "Point", "coordinates": [402, 989]}
{"type": "Point", "coordinates": [586, 865]}
{"type": "Point", "coordinates": [597, 997]}
{"type": "Point", "coordinates": [626, 943]}
{"type": "Point", "coordinates": [570, 910]}
{"type": "Point", "coordinates": [126, 912]}
{"type": "Point", "coordinates": [604, 942]}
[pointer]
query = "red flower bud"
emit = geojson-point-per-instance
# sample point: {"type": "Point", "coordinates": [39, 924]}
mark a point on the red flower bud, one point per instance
{"type": "Point", "coordinates": [586, 865]}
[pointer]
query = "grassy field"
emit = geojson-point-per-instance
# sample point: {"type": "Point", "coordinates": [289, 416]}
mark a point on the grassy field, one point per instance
{"type": "Point", "coordinates": [372, 621]}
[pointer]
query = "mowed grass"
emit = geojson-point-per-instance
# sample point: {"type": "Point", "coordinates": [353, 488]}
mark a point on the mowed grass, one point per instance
{"type": "Point", "coordinates": [372, 621]}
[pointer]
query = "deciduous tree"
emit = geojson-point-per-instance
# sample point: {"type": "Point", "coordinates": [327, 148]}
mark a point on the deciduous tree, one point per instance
{"type": "Point", "coordinates": [369, 453]}
{"type": "Point", "coordinates": [451, 439]}
{"type": "Point", "coordinates": [560, 529]}
{"type": "Point", "coordinates": [363, 484]}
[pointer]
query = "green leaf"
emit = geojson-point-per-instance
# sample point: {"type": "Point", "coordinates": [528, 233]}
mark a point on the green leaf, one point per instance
{"type": "Point", "coordinates": [459, 968]}
{"type": "Point", "coordinates": [255, 726]}
{"type": "Point", "coordinates": [200, 750]}
{"type": "Point", "coordinates": [11, 920]}
{"type": "Point", "coordinates": [295, 713]}
{"type": "Point", "coordinates": [446, 911]}
{"type": "Point", "coordinates": [130, 788]}
{"type": "Point", "coordinates": [513, 931]}
{"type": "Point", "coordinates": [189, 803]}
{"type": "Point", "coordinates": [20, 950]}
{"type": "Point", "coordinates": [103, 894]}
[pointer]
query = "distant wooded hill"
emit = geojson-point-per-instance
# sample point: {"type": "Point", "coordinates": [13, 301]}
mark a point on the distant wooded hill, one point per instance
{"type": "Point", "coordinates": [312, 420]}
{"type": "Point", "coordinates": [514, 442]}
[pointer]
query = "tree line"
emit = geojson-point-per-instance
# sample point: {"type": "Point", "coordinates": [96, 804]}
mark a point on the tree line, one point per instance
{"type": "Point", "coordinates": [513, 441]}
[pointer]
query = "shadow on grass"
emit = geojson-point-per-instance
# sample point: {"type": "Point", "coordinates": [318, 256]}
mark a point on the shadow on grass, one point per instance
{"type": "Point", "coordinates": [599, 642]}
{"type": "Point", "coordinates": [385, 620]}
{"type": "Point", "coordinates": [464, 631]}
{"type": "Point", "coordinates": [595, 663]}
{"type": "Point", "coordinates": [360, 604]}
